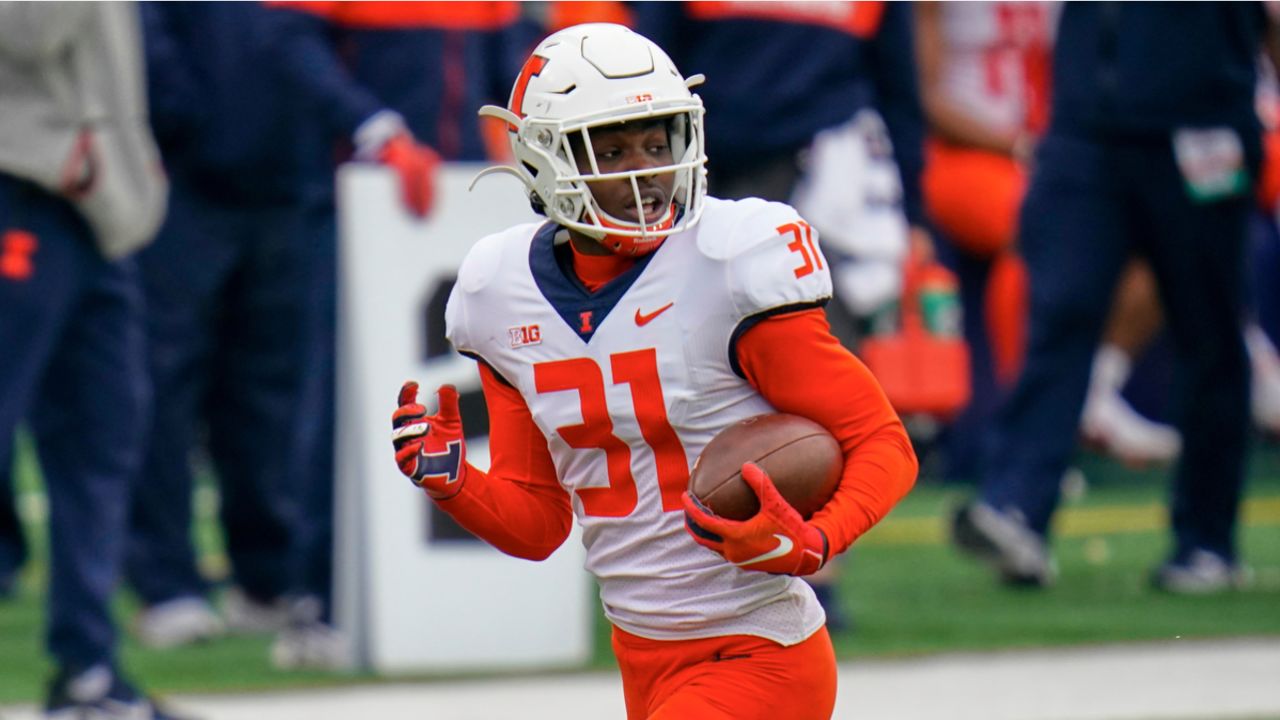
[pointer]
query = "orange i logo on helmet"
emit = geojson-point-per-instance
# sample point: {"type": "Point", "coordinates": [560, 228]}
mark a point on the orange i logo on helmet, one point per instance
{"type": "Point", "coordinates": [531, 68]}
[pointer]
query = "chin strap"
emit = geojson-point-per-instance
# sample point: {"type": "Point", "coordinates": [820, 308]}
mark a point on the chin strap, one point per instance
{"type": "Point", "coordinates": [630, 245]}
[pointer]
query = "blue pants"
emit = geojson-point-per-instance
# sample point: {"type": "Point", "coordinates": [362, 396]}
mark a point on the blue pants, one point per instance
{"type": "Point", "coordinates": [962, 439]}
{"type": "Point", "coordinates": [1090, 205]}
{"type": "Point", "coordinates": [224, 287]}
{"type": "Point", "coordinates": [1264, 260]}
{"type": "Point", "coordinates": [71, 362]}
{"type": "Point", "coordinates": [314, 439]}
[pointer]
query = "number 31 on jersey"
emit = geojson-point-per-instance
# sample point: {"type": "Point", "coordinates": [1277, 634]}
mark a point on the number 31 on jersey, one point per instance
{"type": "Point", "coordinates": [803, 245]}
{"type": "Point", "coordinates": [639, 370]}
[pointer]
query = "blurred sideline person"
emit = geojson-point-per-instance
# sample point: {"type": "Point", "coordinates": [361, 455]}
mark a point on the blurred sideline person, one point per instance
{"type": "Point", "coordinates": [1151, 148]}
{"type": "Point", "coordinates": [1135, 323]}
{"type": "Point", "coordinates": [225, 294]}
{"type": "Point", "coordinates": [393, 83]}
{"type": "Point", "coordinates": [1137, 319]}
{"type": "Point", "coordinates": [837, 133]}
{"type": "Point", "coordinates": [985, 76]}
{"type": "Point", "coordinates": [983, 85]}
{"type": "Point", "coordinates": [80, 191]}
{"type": "Point", "coordinates": [656, 317]}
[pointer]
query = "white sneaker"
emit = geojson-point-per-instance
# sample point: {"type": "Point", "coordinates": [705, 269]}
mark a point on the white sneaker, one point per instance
{"type": "Point", "coordinates": [1265, 364]}
{"type": "Point", "coordinates": [1003, 540]}
{"type": "Point", "coordinates": [1202, 573]}
{"type": "Point", "coordinates": [181, 621]}
{"type": "Point", "coordinates": [315, 646]}
{"type": "Point", "coordinates": [1111, 424]}
{"type": "Point", "coordinates": [248, 616]}
{"type": "Point", "coordinates": [98, 693]}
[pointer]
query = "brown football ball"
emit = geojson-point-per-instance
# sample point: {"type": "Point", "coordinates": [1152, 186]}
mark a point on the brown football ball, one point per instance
{"type": "Point", "coordinates": [801, 457]}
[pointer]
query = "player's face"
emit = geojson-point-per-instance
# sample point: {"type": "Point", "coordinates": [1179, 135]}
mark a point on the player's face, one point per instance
{"type": "Point", "coordinates": [629, 147]}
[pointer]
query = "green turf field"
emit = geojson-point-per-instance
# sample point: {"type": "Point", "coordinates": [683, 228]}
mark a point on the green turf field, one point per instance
{"type": "Point", "coordinates": [908, 592]}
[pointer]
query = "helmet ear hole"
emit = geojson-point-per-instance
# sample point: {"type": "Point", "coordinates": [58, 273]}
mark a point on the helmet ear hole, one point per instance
{"type": "Point", "coordinates": [535, 200]}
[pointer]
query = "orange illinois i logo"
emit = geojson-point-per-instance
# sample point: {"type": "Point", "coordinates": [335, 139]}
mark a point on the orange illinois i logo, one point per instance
{"type": "Point", "coordinates": [16, 250]}
{"type": "Point", "coordinates": [531, 68]}
{"type": "Point", "coordinates": [585, 318]}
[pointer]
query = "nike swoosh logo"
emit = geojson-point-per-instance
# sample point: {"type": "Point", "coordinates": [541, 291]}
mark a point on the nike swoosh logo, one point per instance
{"type": "Point", "coordinates": [784, 548]}
{"type": "Point", "coordinates": [642, 319]}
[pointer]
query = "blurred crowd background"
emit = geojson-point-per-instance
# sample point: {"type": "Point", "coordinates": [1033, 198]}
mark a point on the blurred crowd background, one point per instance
{"type": "Point", "coordinates": [156, 323]}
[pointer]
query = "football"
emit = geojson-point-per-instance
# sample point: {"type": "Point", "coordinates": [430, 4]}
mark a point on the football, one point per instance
{"type": "Point", "coordinates": [801, 457]}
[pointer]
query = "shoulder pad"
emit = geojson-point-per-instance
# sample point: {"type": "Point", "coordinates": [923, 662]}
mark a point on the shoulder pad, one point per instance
{"type": "Point", "coordinates": [771, 256]}
{"type": "Point", "coordinates": [730, 227]}
{"type": "Point", "coordinates": [485, 258]}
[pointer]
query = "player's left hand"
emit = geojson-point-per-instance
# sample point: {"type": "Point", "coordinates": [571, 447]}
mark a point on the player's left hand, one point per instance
{"type": "Point", "coordinates": [776, 540]}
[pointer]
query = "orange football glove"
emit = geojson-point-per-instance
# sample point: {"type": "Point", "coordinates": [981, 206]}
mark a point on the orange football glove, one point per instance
{"type": "Point", "coordinates": [416, 164]}
{"type": "Point", "coordinates": [776, 540]}
{"type": "Point", "coordinates": [384, 138]}
{"type": "Point", "coordinates": [429, 448]}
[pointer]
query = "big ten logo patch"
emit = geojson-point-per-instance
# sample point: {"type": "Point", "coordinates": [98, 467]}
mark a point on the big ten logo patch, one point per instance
{"type": "Point", "coordinates": [525, 335]}
{"type": "Point", "coordinates": [17, 247]}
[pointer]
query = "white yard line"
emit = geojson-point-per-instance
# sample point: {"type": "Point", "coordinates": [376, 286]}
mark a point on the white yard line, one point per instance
{"type": "Point", "coordinates": [1186, 679]}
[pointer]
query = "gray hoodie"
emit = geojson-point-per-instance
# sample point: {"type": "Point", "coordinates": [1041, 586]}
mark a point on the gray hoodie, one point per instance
{"type": "Point", "coordinates": [73, 115]}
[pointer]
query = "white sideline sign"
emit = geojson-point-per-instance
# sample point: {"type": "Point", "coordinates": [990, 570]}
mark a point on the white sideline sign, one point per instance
{"type": "Point", "coordinates": [410, 603]}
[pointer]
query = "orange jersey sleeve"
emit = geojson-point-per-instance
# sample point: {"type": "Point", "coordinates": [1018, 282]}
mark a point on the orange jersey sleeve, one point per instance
{"type": "Point", "coordinates": [800, 368]}
{"type": "Point", "coordinates": [518, 506]}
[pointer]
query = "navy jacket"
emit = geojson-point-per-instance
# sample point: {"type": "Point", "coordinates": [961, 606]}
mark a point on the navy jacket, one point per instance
{"type": "Point", "coordinates": [1137, 67]}
{"type": "Point", "coordinates": [434, 63]}
{"type": "Point", "coordinates": [218, 113]}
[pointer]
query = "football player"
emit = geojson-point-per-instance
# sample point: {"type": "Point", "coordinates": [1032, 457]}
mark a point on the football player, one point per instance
{"type": "Point", "coordinates": [614, 341]}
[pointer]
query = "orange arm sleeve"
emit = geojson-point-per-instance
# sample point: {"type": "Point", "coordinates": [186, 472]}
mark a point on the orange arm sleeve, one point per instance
{"type": "Point", "coordinates": [800, 368]}
{"type": "Point", "coordinates": [519, 506]}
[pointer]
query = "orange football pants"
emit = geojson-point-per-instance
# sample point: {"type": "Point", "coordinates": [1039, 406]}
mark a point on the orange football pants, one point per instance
{"type": "Point", "coordinates": [1269, 183]}
{"type": "Point", "coordinates": [736, 677]}
{"type": "Point", "coordinates": [973, 196]}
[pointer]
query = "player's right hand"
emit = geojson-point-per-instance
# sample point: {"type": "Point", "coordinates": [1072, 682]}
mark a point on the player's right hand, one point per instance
{"type": "Point", "coordinates": [776, 540]}
{"type": "Point", "coordinates": [429, 448]}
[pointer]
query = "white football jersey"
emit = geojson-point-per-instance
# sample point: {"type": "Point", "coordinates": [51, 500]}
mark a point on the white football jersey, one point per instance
{"type": "Point", "coordinates": [629, 384]}
{"type": "Point", "coordinates": [989, 44]}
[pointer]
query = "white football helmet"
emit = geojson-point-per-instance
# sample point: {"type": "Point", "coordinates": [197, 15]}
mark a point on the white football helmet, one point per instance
{"type": "Point", "coordinates": [585, 77]}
